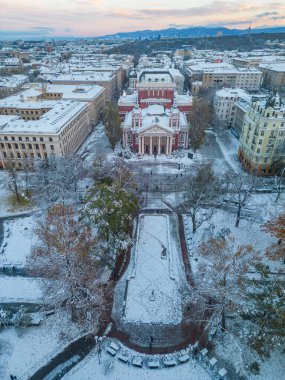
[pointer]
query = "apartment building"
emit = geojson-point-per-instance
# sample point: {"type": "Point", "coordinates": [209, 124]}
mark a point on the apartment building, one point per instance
{"type": "Point", "coordinates": [262, 141]}
{"type": "Point", "coordinates": [255, 61]}
{"type": "Point", "coordinates": [91, 94]}
{"type": "Point", "coordinates": [104, 79]}
{"type": "Point", "coordinates": [273, 75]}
{"type": "Point", "coordinates": [11, 84]}
{"type": "Point", "coordinates": [248, 79]}
{"type": "Point", "coordinates": [32, 129]}
{"type": "Point", "coordinates": [225, 105]}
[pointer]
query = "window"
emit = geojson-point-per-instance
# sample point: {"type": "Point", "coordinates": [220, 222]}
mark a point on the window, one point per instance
{"type": "Point", "coordinates": [13, 138]}
{"type": "Point", "coordinates": [34, 139]}
{"type": "Point", "coordinates": [52, 147]}
{"type": "Point", "coordinates": [41, 139]}
{"type": "Point", "coordinates": [27, 139]}
{"type": "Point", "coordinates": [50, 139]}
{"type": "Point", "coordinates": [20, 138]}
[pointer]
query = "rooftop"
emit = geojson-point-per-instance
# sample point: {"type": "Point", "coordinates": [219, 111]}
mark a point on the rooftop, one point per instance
{"type": "Point", "coordinates": [49, 123]}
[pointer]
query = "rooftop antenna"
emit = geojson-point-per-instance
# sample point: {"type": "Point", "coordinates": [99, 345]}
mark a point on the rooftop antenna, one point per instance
{"type": "Point", "coordinates": [249, 31]}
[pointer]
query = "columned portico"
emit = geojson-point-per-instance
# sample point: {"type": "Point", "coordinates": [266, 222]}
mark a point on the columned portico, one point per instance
{"type": "Point", "coordinates": [155, 144]}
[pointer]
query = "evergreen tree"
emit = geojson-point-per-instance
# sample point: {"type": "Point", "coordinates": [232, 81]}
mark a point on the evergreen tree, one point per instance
{"type": "Point", "coordinates": [266, 307]}
{"type": "Point", "coordinates": [111, 209]}
{"type": "Point", "coordinates": [200, 116]}
{"type": "Point", "coordinates": [112, 123]}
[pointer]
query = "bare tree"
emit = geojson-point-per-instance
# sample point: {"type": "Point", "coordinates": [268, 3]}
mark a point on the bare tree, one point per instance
{"type": "Point", "coordinates": [13, 179]}
{"type": "Point", "coordinates": [56, 179]}
{"type": "Point", "coordinates": [219, 280]}
{"type": "Point", "coordinates": [276, 227]}
{"type": "Point", "coordinates": [64, 256]}
{"type": "Point", "coordinates": [240, 187]}
{"type": "Point", "coordinates": [202, 195]}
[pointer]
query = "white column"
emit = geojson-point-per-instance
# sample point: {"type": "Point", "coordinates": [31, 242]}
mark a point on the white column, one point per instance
{"type": "Point", "coordinates": [166, 144]}
{"type": "Point", "coordinates": [140, 144]}
{"type": "Point", "coordinates": [150, 149]}
{"type": "Point", "coordinates": [158, 145]}
{"type": "Point", "coordinates": [170, 144]}
{"type": "Point", "coordinates": [143, 145]}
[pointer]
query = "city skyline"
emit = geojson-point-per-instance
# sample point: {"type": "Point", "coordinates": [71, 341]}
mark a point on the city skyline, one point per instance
{"type": "Point", "coordinates": [83, 18]}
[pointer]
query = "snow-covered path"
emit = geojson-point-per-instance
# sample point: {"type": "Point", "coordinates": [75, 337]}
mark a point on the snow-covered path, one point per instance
{"type": "Point", "coordinates": [153, 295]}
{"type": "Point", "coordinates": [20, 289]}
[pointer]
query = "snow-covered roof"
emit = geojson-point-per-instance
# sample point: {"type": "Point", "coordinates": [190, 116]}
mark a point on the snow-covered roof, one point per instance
{"type": "Point", "coordinates": [97, 76]}
{"type": "Point", "coordinates": [155, 109]}
{"type": "Point", "coordinates": [233, 92]}
{"type": "Point", "coordinates": [51, 122]}
{"type": "Point", "coordinates": [280, 67]}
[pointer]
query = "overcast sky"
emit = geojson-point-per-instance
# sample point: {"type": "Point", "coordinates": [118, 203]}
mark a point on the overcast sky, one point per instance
{"type": "Point", "coordinates": [99, 17]}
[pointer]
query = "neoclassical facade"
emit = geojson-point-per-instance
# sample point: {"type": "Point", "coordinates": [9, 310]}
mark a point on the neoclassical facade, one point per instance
{"type": "Point", "coordinates": [155, 117]}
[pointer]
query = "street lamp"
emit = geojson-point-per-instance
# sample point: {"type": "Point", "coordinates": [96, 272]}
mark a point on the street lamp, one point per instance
{"type": "Point", "coordinates": [98, 345]}
{"type": "Point", "coordinates": [278, 185]}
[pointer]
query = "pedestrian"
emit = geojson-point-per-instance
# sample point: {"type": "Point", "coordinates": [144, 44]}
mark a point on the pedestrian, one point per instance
{"type": "Point", "coordinates": [181, 174]}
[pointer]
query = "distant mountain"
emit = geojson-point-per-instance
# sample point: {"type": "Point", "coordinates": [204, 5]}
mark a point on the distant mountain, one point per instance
{"type": "Point", "coordinates": [198, 31]}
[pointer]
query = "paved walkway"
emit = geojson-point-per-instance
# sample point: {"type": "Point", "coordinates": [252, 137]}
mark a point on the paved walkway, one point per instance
{"type": "Point", "coordinates": [150, 300]}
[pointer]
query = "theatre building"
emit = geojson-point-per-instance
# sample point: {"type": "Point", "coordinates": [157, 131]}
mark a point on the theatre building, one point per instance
{"type": "Point", "coordinates": [155, 117]}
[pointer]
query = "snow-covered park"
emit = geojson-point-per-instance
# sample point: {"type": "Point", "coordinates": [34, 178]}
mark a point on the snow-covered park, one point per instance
{"type": "Point", "coordinates": [24, 350]}
{"type": "Point", "coordinates": [17, 242]}
{"type": "Point", "coordinates": [20, 289]}
{"type": "Point", "coordinates": [153, 289]}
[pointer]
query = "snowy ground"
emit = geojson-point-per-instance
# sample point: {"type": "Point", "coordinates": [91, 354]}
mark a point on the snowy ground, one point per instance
{"type": "Point", "coordinates": [248, 233]}
{"type": "Point", "coordinates": [96, 144]}
{"type": "Point", "coordinates": [153, 295]}
{"type": "Point", "coordinates": [233, 349]}
{"type": "Point", "coordinates": [20, 289]}
{"type": "Point", "coordinates": [90, 369]}
{"type": "Point", "coordinates": [18, 234]}
{"type": "Point", "coordinates": [23, 350]}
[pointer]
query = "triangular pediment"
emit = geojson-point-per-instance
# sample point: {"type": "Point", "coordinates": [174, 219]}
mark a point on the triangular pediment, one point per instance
{"type": "Point", "coordinates": [156, 129]}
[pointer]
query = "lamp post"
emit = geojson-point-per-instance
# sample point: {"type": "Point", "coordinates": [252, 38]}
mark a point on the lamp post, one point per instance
{"type": "Point", "coordinates": [99, 349]}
